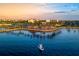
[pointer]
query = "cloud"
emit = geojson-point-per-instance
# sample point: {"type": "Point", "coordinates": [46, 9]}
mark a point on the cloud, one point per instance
{"type": "Point", "coordinates": [37, 10]}
{"type": "Point", "coordinates": [61, 12]}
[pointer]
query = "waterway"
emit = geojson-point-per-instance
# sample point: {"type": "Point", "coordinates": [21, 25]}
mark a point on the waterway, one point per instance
{"type": "Point", "coordinates": [25, 43]}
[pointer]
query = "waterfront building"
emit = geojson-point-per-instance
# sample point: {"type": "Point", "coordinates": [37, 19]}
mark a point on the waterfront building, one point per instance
{"type": "Point", "coordinates": [31, 20]}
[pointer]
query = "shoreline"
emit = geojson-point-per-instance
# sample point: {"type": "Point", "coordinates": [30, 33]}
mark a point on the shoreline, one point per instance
{"type": "Point", "coordinates": [37, 30]}
{"type": "Point", "coordinates": [31, 30]}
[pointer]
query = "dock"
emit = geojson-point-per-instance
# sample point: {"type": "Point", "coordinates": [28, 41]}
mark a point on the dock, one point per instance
{"type": "Point", "coordinates": [31, 30]}
{"type": "Point", "coordinates": [43, 30]}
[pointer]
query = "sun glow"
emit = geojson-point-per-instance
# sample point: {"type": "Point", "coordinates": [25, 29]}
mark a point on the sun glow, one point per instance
{"type": "Point", "coordinates": [20, 10]}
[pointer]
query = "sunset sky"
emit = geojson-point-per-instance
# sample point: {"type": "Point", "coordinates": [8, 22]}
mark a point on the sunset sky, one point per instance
{"type": "Point", "coordinates": [60, 11]}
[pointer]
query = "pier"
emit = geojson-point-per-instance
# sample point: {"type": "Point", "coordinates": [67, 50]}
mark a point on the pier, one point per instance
{"type": "Point", "coordinates": [43, 30]}
{"type": "Point", "coordinates": [29, 29]}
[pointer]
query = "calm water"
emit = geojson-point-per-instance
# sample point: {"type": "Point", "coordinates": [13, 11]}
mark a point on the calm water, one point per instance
{"type": "Point", "coordinates": [24, 43]}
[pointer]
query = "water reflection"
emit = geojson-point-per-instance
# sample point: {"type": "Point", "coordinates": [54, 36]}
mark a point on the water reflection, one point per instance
{"type": "Point", "coordinates": [73, 30]}
{"type": "Point", "coordinates": [68, 30]}
{"type": "Point", "coordinates": [63, 42]}
{"type": "Point", "coordinates": [34, 35]}
{"type": "Point", "coordinates": [41, 35]}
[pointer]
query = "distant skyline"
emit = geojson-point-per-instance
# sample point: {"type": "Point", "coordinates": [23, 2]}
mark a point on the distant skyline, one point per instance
{"type": "Point", "coordinates": [61, 11]}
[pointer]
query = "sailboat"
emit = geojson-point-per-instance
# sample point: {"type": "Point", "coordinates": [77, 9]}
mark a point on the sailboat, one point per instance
{"type": "Point", "coordinates": [41, 47]}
